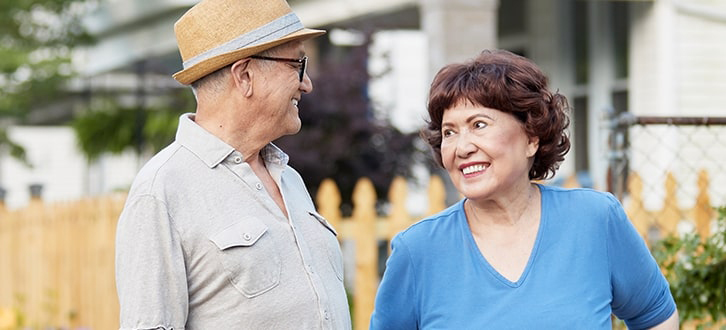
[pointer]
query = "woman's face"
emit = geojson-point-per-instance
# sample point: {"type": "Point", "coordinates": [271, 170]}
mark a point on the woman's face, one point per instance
{"type": "Point", "coordinates": [485, 151]}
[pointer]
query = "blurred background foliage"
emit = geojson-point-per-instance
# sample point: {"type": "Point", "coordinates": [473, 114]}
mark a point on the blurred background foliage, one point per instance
{"type": "Point", "coordinates": [106, 125]}
{"type": "Point", "coordinates": [36, 39]}
{"type": "Point", "coordinates": [695, 267]}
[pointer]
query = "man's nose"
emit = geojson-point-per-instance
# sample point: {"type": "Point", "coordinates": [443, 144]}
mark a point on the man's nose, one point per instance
{"type": "Point", "coordinates": [306, 86]}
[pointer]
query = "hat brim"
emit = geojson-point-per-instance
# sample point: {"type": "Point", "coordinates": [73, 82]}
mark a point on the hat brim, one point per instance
{"type": "Point", "coordinates": [203, 68]}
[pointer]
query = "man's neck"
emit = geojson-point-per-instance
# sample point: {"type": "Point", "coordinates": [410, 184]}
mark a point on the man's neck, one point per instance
{"type": "Point", "coordinates": [235, 131]}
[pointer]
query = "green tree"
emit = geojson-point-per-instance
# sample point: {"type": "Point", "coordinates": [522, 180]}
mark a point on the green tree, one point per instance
{"type": "Point", "coordinates": [108, 126]}
{"type": "Point", "coordinates": [696, 270]}
{"type": "Point", "coordinates": [36, 40]}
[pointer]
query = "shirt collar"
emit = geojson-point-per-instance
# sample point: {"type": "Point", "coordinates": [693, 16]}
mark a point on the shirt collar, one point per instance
{"type": "Point", "coordinates": [276, 161]}
{"type": "Point", "coordinates": [209, 148]}
{"type": "Point", "coordinates": [212, 150]}
{"type": "Point", "coordinates": [271, 154]}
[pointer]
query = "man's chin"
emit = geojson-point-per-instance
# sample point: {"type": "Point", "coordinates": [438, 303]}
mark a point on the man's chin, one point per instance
{"type": "Point", "coordinates": [294, 130]}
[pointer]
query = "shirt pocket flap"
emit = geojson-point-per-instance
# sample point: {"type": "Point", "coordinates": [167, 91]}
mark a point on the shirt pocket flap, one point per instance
{"type": "Point", "coordinates": [239, 234]}
{"type": "Point", "coordinates": [324, 222]}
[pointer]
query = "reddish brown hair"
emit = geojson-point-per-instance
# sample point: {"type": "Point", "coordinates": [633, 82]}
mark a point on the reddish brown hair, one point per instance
{"type": "Point", "coordinates": [510, 83]}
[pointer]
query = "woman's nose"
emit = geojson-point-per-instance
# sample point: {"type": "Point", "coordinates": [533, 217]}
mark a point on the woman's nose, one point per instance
{"type": "Point", "coordinates": [464, 145]}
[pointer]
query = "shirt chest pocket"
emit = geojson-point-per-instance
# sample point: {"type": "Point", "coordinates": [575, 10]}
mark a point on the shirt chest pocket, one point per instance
{"type": "Point", "coordinates": [249, 257]}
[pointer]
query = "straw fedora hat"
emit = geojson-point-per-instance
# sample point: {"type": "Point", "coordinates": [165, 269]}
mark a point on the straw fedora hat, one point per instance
{"type": "Point", "coordinates": [216, 33]}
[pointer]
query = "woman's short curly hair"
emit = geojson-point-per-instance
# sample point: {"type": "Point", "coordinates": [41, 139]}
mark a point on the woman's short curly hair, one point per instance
{"type": "Point", "coordinates": [510, 83]}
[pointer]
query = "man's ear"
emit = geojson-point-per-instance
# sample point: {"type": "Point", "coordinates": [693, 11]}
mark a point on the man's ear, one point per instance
{"type": "Point", "coordinates": [242, 76]}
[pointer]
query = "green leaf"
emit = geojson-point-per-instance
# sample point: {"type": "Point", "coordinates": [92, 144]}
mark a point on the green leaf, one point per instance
{"type": "Point", "coordinates": [16, 151]}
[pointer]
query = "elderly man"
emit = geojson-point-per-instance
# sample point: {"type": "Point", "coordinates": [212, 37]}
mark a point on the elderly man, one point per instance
{"type": "Point", "coordinates": [218, 232]}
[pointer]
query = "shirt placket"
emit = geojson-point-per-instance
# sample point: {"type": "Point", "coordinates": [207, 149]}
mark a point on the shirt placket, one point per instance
{"type": "Point", "coordinates": [313, 274]}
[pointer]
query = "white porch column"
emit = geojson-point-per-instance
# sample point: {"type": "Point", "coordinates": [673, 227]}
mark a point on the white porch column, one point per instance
{"type": "Point", "coordinates": [601, 78]}
{"type": "Point", "coordinates": [458, 29]}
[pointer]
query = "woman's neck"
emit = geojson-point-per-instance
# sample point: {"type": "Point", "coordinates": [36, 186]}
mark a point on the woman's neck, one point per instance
{"type": "Point", "coordinates": [510, 210]}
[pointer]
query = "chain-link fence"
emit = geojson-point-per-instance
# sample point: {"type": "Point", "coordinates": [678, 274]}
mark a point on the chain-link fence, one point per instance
{"type": "Point", "coordinates": [670, 172]}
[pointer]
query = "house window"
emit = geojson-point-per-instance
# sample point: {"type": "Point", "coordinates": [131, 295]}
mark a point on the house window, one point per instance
{"type": "Point", "coordinates": [512, 26]}
{"type": "Point", "coordinates": [620, 101]}
{"type": "Point", "coordinates": [620, 23]}
{"type": "Point", "coordinates": [580, 138]}
{"type": "Point", "coordinates": [581, 30]}
{"type": "Point", "coordinates": [512, 18]}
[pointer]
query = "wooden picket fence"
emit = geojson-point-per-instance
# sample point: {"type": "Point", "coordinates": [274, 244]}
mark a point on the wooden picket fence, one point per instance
{"type": "Point", "coordinates": [666, 219]}
{"type": "Point", "coordinates": [57, 265]}
{"type": "Point", "coordinates": [365, 228]}
{"type": "Point", "coordinates": [57, 261]}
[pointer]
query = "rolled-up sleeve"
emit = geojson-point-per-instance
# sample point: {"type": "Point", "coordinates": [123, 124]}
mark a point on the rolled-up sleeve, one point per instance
{"type": "Point", "coordinates": [641, 294]}
{"type": "Point", "coordinates": [150, 270]}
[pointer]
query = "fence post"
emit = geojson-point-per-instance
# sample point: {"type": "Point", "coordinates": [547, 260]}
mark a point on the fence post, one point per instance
{"type": "Point", "coordinates": [702, 211]}
{"type": "Point", "coordinates": [398, 218]}
{"type": "Point", "coordinates": [328, 198]}
{"type": "Point", "coordinates": [670, 214]}
{"type": "Point", "coordinates": [7, 238]}
{"type": "Point", "coordinates": [617, 175]}
{"type": "Point", "coordinates": [366, 251]}
{"type": "Point", "coordinates": [437, 195]}
{"type": "Point", "coordinates": [635, 210]}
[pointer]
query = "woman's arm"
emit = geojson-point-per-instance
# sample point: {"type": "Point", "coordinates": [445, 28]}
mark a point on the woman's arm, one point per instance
{"type": "Point", "coordinates": [672, 323]}
{"type": "Point", "coordinates": [396, 297]}
{"type": "Point", "coordinates": [641, 294]}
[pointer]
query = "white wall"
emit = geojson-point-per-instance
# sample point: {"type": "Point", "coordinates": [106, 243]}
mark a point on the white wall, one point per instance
{"type": "Point", "coordinates": [60, 167]}
{"type": "Point", "coordinates": [700, 54]}
{"type": "Point", "coordinates": [399, 78]}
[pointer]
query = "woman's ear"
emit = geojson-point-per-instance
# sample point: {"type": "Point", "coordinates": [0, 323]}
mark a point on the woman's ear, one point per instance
{"type": "Point", "coordinates": [532, 146]}
{"type": "Point", "coordinates": [242, 76]}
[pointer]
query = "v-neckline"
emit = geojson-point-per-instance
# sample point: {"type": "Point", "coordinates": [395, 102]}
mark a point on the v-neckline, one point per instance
{"type": "Point", "coordinates": [532, 255]}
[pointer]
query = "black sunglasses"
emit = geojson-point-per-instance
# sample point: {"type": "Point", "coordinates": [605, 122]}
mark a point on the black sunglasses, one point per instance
{"type": "Point", "coordinates": [302, 61]}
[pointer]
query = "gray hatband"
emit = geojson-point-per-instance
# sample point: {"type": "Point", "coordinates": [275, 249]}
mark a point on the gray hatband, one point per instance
{"type": "Point", "coordinates": [276, 29]}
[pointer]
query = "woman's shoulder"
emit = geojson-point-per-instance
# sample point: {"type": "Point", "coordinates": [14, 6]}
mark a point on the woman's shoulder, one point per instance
{"type": "Point", "coordinates": [584, 196]}
{"type": "Point", "coordinates": [434, 226]}
{"type": "Point", "coordinates": [579, 205]}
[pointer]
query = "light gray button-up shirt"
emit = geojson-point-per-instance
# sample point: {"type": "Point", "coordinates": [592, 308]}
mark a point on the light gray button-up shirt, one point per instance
{"type": "Point", "coordinates": [201, 245]}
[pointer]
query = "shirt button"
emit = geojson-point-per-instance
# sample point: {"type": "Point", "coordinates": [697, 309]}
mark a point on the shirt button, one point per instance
{"type": "Point", "coordinates": [258, 186]}
{"type": "Point", "coordinates": [246, 236]}
{"type": "Point", "coordinates": [327, 315]}
{"type": "Point", "coordinates": [237, 159]}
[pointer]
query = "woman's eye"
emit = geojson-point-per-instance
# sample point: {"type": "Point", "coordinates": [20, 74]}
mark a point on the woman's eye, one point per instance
{"type": "Point", "coordinates": [447, 132]}
{"type": "Point", "coordinates": [480, 124]}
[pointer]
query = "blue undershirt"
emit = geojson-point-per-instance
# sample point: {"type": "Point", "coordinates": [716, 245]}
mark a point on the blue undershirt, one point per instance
{"type": "Point", "coordinates": [587, 262]}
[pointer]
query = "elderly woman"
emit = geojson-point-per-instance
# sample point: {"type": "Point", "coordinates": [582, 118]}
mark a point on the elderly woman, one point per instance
{"type": "Point", "coordinates": [514, 254]}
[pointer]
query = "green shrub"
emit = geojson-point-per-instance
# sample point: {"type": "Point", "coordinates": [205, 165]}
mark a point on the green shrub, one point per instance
{"type": "Point", "coordinates": [696, 270]}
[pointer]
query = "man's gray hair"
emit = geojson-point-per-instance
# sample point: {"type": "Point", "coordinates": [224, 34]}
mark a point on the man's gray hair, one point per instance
{"type": "Point", "coordinates": [212, 82]}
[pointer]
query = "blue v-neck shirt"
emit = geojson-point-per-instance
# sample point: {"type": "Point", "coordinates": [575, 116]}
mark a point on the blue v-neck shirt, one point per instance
{"type": "Point", "coordinates": [587, 262]}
